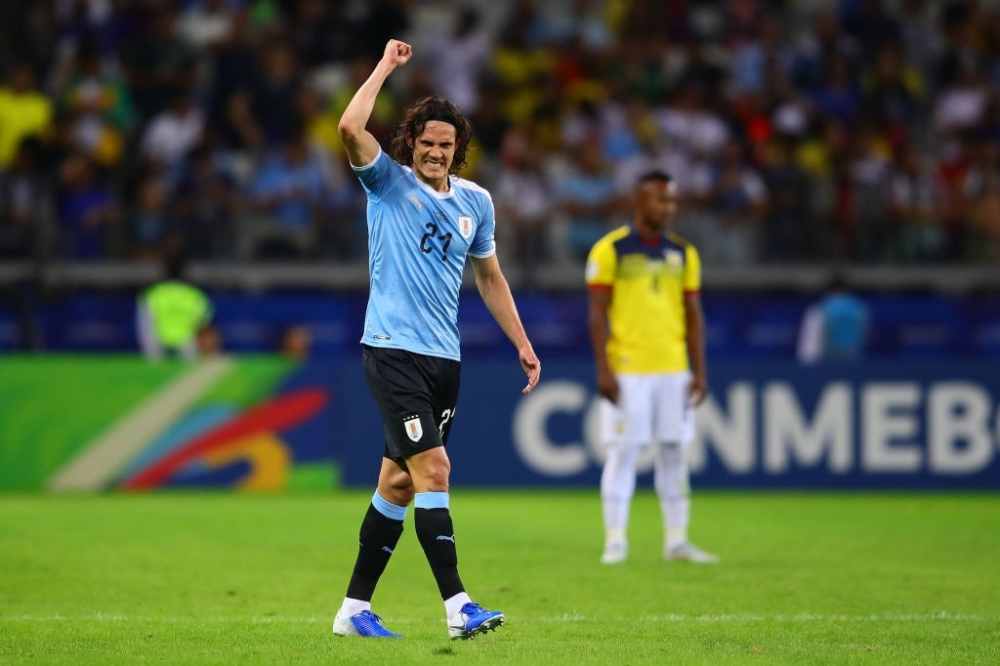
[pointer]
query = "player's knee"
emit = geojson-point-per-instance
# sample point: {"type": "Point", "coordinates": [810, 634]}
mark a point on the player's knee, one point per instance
{"type": "Point", "coordinates": [392, 482]}
{"type": "Point", "coordinates": [672, 455]}
{"type": "Point", "coordinates": [617, 494]}
{"type": "Point", "coordinates": [437, 475]}
{"type": "Point", "coordinates": [430, 470]}
{"type": "Point", "coordinates": [402, 490]}
{"type": "Point", "coordinates": [397, 488]}
{"type": "Point", "coordinates": [624, 457]}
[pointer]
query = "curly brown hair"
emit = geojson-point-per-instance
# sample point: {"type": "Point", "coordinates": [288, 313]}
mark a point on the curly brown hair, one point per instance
{"type": "Point", "coordinates": [412, 126]}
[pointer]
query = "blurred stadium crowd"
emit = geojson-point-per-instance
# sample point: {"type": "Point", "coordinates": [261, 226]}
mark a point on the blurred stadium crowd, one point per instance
{"type": "Point", "coordinates": [859, 130]}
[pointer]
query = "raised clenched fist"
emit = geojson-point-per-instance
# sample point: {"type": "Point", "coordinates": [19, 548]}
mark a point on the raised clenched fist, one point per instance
{"type": "Point", "coordinates": [397, 53]}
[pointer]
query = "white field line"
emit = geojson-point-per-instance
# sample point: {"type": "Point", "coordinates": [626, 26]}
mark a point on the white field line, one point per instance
{"type": "Point", "coordinates": [102, 459]}
{"type": "Point", "coordinates": [670, 618]}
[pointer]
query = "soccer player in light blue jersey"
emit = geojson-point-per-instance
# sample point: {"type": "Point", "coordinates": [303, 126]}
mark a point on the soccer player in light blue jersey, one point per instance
{"type": "Point", "coordinates": [423, 221]}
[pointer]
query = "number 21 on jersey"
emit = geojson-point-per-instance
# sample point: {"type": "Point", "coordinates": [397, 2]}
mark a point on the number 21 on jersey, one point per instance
{"type": "Point", "coordinates": [432, 233]}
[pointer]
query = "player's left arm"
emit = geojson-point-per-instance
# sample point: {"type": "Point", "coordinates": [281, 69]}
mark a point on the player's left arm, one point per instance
{"type": "Point", "coordinates": [495, 292]}
{"type": "Point", "coordinates": [694, 320]}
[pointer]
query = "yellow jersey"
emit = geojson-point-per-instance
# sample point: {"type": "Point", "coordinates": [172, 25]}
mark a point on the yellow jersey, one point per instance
{"type": "Point", "coordinates": [646, 316]}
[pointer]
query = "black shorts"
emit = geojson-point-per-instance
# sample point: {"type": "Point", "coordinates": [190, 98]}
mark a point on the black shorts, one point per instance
{"type": "Point", "coordinates": [416, 395]}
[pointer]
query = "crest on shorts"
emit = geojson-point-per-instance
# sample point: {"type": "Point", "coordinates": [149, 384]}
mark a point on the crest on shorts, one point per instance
{"type": "Point", "coordinates": [465, 226]}
{"type": "Point", "coordinates": [413, 429]}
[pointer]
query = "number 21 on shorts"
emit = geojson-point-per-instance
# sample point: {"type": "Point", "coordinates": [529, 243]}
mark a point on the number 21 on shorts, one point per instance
{"type": "Point", "coordinates": [446, 415]}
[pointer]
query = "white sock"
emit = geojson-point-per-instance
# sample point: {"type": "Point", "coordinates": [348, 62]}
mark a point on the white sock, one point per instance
{"type": "Point", "coordinates": [614, 535]}
{"type": "Point", "coordinates": [352, 607]}
{"type": "Point", "coordinates": [676, 536]}
{"type": "Point", "coordinates": [618, 485]}
{"type": "Point", "coordinates": [615, 513]}
{"type": "Point", "coordinates": [670, 472]}
{"type": "Point", "coordinates": [454, 604]}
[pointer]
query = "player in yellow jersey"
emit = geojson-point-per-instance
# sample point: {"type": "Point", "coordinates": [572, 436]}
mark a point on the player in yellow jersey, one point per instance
{"type": "Point", "coordinates": [647, 329]}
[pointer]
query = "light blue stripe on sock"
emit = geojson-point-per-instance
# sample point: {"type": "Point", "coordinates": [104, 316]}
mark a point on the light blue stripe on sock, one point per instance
{"type": "Point", "coordinates": [387, 508]}
{"type": "Point", "coordinates": [438, 500]}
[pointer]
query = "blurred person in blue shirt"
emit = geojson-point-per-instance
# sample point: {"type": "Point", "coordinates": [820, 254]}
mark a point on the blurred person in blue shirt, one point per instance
{"type": "Point", "coordinates": [588, 197]}
{"type": "Point", "coordinates": [835, 328]}
{"type": "Point", "coordinates": [289, 191]}
{"type": "Point", "coordinates": [86, 209]}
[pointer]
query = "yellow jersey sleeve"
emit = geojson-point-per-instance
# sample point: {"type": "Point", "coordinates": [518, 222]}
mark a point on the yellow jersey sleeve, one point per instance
{"type": "Point", "coordinates": [692, 269]}
{"type": "Point", "coordinates": [601, 264]}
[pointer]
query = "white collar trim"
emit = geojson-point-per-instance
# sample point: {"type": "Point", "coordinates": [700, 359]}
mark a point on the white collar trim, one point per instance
{"type": "Point", "coordinates": [430, 190]}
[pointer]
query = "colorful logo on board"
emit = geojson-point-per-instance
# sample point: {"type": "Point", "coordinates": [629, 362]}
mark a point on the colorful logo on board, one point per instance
{"type": "Point", "coordinates": [248, 450]}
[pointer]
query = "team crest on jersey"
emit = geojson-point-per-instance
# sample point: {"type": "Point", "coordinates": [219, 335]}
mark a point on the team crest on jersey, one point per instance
{"type": "Point", "coordinates": [465, 226]}
{"type": "Point", "coordinates": [674, 258]}
{"type": "Point", "coordinates": [414, 430]}
{"type": "Point", "coordinates": [415, 200]}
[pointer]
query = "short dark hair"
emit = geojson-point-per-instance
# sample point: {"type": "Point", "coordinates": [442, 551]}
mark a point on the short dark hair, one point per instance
{"type": "Point", "coordinates": [654, 176]}
{"type": "Point", "coordinates": [412, 126]}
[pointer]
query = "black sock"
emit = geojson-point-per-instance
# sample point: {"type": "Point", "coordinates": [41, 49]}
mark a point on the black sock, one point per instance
{"type": "Point", "coordinates": [379, 536]}
{"type": "Point", "coordinates": [438, 540]}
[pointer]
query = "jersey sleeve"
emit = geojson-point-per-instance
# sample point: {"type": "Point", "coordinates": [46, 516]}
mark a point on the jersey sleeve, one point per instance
{"type": "Point", "coordinates": [483, 243]}
{"type": "Point", "coordinates": [376, 177]}
{"type": "Point", "coordinates": [601, 265]}
{"type": "Point", "coordinates": [692, 269]}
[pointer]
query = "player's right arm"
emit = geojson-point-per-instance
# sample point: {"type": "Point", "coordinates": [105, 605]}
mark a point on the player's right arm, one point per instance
{"type": "Point", "coordinates": [362, 147]}
{"type": "Point", "coordinates": [601, 266]}
{"type": "Point", "coordinates": [600, 300]}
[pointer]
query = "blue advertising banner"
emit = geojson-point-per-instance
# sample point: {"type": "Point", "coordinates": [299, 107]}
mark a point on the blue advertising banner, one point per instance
{"type": "Point", "coordinates": [903, 325]}
{"type": "Point", "coordinates": [766, 425]}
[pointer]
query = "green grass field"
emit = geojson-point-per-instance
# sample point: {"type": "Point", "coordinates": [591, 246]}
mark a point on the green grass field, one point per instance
{"type": "Point", "coordinates": [805, 579]}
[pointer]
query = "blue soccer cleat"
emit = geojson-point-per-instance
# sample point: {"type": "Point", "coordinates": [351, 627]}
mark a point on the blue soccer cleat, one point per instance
{"type": "Point", "coordinates": [471, 620]}
{"type": "Point", "coordinates": [365, 624]}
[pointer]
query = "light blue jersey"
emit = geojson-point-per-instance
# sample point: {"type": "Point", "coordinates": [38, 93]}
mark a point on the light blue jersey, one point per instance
{"type": "Point", "coordinates": [418, 240]}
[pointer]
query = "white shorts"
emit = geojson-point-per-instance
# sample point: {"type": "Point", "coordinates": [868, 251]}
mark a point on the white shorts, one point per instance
{"type": "Point", "coordinates": [651, 408]}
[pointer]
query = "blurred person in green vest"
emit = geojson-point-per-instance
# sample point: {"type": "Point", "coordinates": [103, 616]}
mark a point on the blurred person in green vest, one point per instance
{"type": "Point", "coordinates": [173, 317]}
